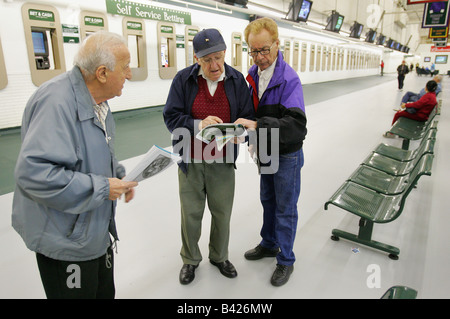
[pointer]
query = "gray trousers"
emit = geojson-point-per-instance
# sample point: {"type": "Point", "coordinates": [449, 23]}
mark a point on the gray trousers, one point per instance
{"type": "Point", "coordinates": [214, 182]}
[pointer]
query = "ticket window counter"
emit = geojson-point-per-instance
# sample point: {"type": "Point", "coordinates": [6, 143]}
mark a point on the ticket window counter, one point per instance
{"type": "Point", "coordinates": [250, 61]}
{"type": "Point", "coordinates": [295, 56]}
{"type": "Point", "coordinates": [333, 59]}
{"type": "Point", "coordinates": [3, 75]}
{"type": "Point", "coordinates": [287, 52]}
{"type": "Point", "coordinates": [324, 57]}
{"type": "Point", "coordinates": [236, 51]}
{"type": "Point", "coordinates": [43, 36]}
{"type": "Point", "coordinates": [303, 58]}
{"type": "Point", "coordinates": [312, 55]}
{"type": "Point", "coordinates": [167, 63]}
{"type": "Point", "coordinates": [189, 34]}
{"type": "Point", "coordinates": [318, 58]}
{"type": "Point", "coordinates": [134, 32]}
{"type": "Point", "coordinates": [329, 58]}
{"type": "Point", "coordinates": [91, 22]}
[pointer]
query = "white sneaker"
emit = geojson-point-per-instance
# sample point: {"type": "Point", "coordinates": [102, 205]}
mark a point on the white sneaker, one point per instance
{"type": "Point", "coordinates": [389, 135]}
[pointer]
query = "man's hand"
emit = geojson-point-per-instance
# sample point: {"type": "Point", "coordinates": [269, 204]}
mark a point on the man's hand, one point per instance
{"type": "Point", "coordinates": [118, 187]}
{"type": "Point", "coordinates": [208, 121]}
{"type": "Point", "coordinates": [248, 124]}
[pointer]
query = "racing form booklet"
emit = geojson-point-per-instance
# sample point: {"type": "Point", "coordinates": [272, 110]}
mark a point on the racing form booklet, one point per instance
{"type": "Point", "coordinates": [222, 133]}
{"type": "Point", "coordinates": [154, 162]}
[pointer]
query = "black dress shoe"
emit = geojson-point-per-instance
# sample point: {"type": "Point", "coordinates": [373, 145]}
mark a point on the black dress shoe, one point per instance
{"type": "Point", "coordinates": [260, 252]}
{"type": "Point", "coordinates": [226, 268]}
{"type": "Point", "coordinates": [281, 275]}
{"type": "Point", "coordinates": [187, 274]}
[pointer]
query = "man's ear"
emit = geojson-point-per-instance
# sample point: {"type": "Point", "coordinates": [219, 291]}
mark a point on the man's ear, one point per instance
{"type": "Point", "coordinates": [101, 73]}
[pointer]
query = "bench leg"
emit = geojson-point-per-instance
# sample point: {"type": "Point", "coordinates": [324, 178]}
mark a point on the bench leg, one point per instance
{"type": "Point", "coordinates": [364, 237]}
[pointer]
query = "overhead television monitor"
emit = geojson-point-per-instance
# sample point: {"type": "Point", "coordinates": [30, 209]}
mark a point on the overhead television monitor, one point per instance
{"type": "Point", "coordinates": [236, 3]}
{"type": "Point", "coordinates": [371, 35]}
{"type": "Point", "coordinates": [334, 22]}
{"type": "Point", "coordinates": [381, 39]}
{"type": "Point", "coordinates": [305, 10]}
{"type": "Point", "coordinates": [356, 30]}
{"type": "Point", "coordinates": [40, 44]}
{"type": "Point", "coordinates": [441, 59]}
{"type": "Point", "coordinates": [389, 43]}
{"type": "Point", "coordinates": [299, 10]}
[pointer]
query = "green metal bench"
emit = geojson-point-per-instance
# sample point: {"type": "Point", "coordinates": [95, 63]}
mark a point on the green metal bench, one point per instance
{"type": "Point", "coordinates": [374, 207]}
{"type": "Point", "coordinates": [401, 154]}
{"type": "Point", "coordinates": [400, 292]}
{"type": "Point", "coordinates": [379, 181]}
{"type": "Point", "coordinates": [395, 167]}
{"type": "Point", "coordinates": [411, 130]}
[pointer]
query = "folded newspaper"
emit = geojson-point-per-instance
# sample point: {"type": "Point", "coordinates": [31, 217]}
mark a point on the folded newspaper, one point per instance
{"type": "Point", "coordinates": [154, 162]}
{"type": "Point", "coordinates": [222, 133]}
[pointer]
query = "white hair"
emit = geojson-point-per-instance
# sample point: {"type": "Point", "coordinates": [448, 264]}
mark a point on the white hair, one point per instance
{"type": "Point", "coordinates": [93, 54]}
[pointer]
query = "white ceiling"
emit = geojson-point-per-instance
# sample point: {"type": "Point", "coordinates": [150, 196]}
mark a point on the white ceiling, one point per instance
{"type": "Point", "coordinates": [359, 10]}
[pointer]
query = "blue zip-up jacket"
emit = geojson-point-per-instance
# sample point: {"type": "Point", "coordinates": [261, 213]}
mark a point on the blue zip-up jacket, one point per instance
{"type": "Point", "coordinates": [281, 106]}
{"type": "Point", "coordinates": [184, 88]}
{"type": "Point", "coordinates": [61, 205]}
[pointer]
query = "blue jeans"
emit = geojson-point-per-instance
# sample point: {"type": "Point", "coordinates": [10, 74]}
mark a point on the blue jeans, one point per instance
{"type": "Point", "coordinates": [279, 196]}
{"type": "Point", "coordinates": [410, 97]}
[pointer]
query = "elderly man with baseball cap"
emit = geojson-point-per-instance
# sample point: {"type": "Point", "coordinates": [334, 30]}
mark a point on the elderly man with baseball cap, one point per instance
{"type": "Point", "coordinates": [205, 93]}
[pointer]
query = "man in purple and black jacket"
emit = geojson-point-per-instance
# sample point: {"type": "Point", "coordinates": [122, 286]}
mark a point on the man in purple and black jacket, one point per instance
{"type": "Point", "coordinates": [281, 128]}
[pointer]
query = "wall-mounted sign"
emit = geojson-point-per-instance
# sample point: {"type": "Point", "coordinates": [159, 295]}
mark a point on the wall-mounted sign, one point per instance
{"type": "Point", "coordinates": [442, 49]}
{"type": "Point", "coordinates": [71, 33]}
{"type": "Point", "coordinates": [435, 14]}
{"type": "Point", "coordinates": [41, 15]}
{"type": "Point", "coordinates": [421, 1]}
{"type": "Point", "coordinates": [145, 11]}
{"type": "Point", "coordinates": [438, 33]}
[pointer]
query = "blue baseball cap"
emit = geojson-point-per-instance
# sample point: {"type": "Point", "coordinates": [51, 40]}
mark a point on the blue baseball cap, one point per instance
{"type": "Point", "coordinates": [208, 41]}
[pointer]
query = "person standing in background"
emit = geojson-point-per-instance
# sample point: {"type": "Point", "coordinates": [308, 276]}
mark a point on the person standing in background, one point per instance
{"type": "Point", "coordinates": [382, 67]}
{"type": "Point", "coordinates": [402, 70]}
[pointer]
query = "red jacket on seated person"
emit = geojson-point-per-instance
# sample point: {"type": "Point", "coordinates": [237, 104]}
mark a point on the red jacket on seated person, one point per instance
{"type": "Point", "coordinates": [421, 109]}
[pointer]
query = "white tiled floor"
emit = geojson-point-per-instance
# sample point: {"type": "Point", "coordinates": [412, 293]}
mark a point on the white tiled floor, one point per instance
{"type": "Point", "coordinates": [342, 132]}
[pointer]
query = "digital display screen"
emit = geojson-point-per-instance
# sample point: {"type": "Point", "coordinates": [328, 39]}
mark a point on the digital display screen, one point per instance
{"type": "Point", "coordinates": [360, 30]}
{"type": "Point", "coordinates": [339, 22]}
{"type": "Point", "coordinates": [39, 43]}
{"type": "Point", "coordinates": [441, 59]}
{"type": "Point", "coordinates": [304, 10]}
{"type": "Point", "coordinates": [334, 22]}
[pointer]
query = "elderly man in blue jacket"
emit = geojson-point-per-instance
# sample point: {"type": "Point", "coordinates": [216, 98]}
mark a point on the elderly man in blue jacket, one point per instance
{"type": "Point", "coordinates": [208, 92]}
{"type": "Point", "coordinates": [281, 128]}
{"type": "Point", "coordinates": [67, 177]}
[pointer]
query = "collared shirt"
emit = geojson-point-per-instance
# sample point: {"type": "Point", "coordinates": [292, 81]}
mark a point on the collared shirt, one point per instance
{"type": "Point", "coordinates": [264, 78]}
{"type": "Point", "coordinates": [212, 85]}
{"type": "Point", "coordinates": [101, 111]}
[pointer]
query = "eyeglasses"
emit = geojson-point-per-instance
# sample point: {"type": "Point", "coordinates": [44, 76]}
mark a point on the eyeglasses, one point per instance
{"type": "Point", "coordinates": [254, 53]}
{"type": "Point", "coordinates": [216, 59]}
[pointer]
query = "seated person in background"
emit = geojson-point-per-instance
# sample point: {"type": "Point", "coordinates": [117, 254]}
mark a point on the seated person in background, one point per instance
{"type": "Point", "coordinates": [419, 110]}
{"type": "Point", "coordinates": [413, 97]}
